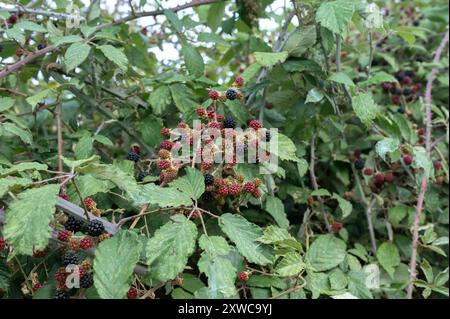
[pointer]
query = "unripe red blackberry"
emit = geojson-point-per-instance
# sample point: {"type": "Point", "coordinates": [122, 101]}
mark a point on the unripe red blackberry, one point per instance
{"type": "Point", "coordinates": [222, 191]}
{"type": "Point", "coordinates": [379, 178]}
{"type": "Point", "coordinates": [165, 131]}
{"type": "Point", "coordinates": [357, 153]}
{"type": "Point", "coordinates": [183, 125]}
{"type": "Point", "coordinates": [90, 203]}
{"type": "Point", "coordinates": [214, 125]}
{"type": "Point", "coordinates": [243, 276]}
{"type": "Point", "coordinates": [166, 145]}
{"type": "Point", "coordinates": [389, 177]}
{"type": "Point", "coordinates": [406, 80]}
{"type": "Point", "coordinates": [60, 275]}
{"type": "Point", "coordinates": [37, 286]}
{"type": "Point", "coordinates": [239, 81]}
{"type": "Point", "coordinates": [211, 114]}
{"type": "Point", "coordinates": [421, 131]}
{"type": "Point", "coordinates": [86, 243]}
{"type": "Point", "coordinates": [336, 227]}
{"type": "Point", "coordinates": [255, 124]}
{"type": "Point", "coordinates": [13, 19]}
{"type": "Point", "coordinates": [206, 166]}
{"type": "Point", "coordinates": [201, 112]}
{"type": "Point", "coordinates": [64, 235]}
{"type": "Point", "coordinates": [367, 171]}
{"type": "Point", "coordinates": [213, 95]}
{"type": "Point", "coordinates": [256, 193]}
{"type": "Point", "coordinates": [132, 293]}
{"type": "Point", "coordinates": [40, 253]}
{"type": "Point", "coordinates": [386, 86]}
{"type": "Point", "coordinates": [136, 148]}
{"type": "Point", "coordinates": [2, 244]}
{"type": "Point", "coordinates": [164, 164]}
{"type": "Point", "coordinates": [396, 100]}
{"type": "Point", "coordinates": [234, 189]}
{"type": "Point", "coordinates": [63, 196]}
{"type": "Point", "coordinates": [407, 159]}
{"type": "Point", "coordinates": [437, 165]}
{"type": "Point", "coordinates": [249, 187]}
{"type": "Point", "coordinates": [374, 188]}
{"type": "Point", "coordinates": [74, 244]}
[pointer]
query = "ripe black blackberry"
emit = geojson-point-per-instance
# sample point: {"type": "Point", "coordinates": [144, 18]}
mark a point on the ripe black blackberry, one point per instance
{"type": "Point", "coordinates": [87, 280]}
{"type": "Point", "coordinates": [268, 136]}
{"type": "Point", "coordinates": [40, 46]}
{"type": "Point", "coordinates": [60, 294]}
{"type": "Point", "coordinates": [132, 156]}
{"type": "Point", "coordinates": [209, 179]}
{"type": "Point", "coordinates": [73, 225]}
{"type": "Point", "coordinates": [95, 228]}
{"type": "Point", "coordinates": [359, 164]}
{"type": "Point", "coordinates": [407, 92]}
{"type": "Point", "coordinates": [401, 110]}
{"type": "Point", "coordinates": [208, 197]}
{"type": "Point", "coordinates": [231, 94]}
{"type": "Point", "coordinates": [71, 258]}
{"type": "Point", "coordinates": [229, 122]}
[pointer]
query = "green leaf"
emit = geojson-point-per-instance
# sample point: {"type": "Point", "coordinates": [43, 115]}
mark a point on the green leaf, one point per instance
{"type": "Point", "coordinates": [274, 206]}
{"type": "Point", "coordinates": [326, 252]}
{"type": "Point", "coordinates": [335, 15]}
{"type": "Point", "coordinates": [421, 160]}
{"type": "Point", "coordinates": [213, 262]}
{"type": "Point", "coordinates": [89, 186]}
{"type": "Point", "coordinates": [192, 59]}
{"type": "Point", "coordinates": [251, 71]}
{"type": "Point", "coordinates": [24, 135]}
{"type": "Point", "coordinates": [238, 110]}
{"type": "Point", "coordinates": [30, 26]}
{"type": "Point", "coordinates": [84, 147]}
{"type": "Point", "coordinates": [114, 262]}
{"type": "Point", "coordinates": [115, 55]}
{"type": "Point", "coordinates": [388, 257]}
{"type": "Point", "coordinates": [21, 167]}
{"type": "Point", "coordinates": [270, 59]}
{"type": "Point", "coordinates": [357, 284]}
{"type": "Point", "coordinates": [10, 182]}
{"type": "Point", "coordinates": [163, 196]}
{"type": "Point", "coordinates": [35, 99]}
{"type": "Point", "coordinates": [290, 265]}
{"type": "Point", "coordinates": [215, 15]}
{"type": "Point", "coordinates": [111, 173]}
{"type": "Point", "coordinates": [245, 236]}
{"type": "Point", "coordinates": [320, 192]}
{"type": "Point", "coordinates": [302, 167]}
{"type": "Point", "coordinates": [6, 103]}
{"type": "Point", "coordinates": [300, 40]}
{"type": "Point", "coordinates": [286, 148]}
{"type": "Point", "coordinates": [173, 20]}
{"type": "Point", "coordinates": [365, 108]}
{"type": "Point", "coordinates": [75, 55]}
{"type": "Point", "coordinates": [377, 78]}
{"type": "Point", "coordinates": [193, 184]}
{"type": "Point", "coordinates": [344, 204]}
{"type": "Point", "coordinates": [341, 77]}
{"type": "Point", "coordinates": [274, 235]}
{"type": "Point", "coordinates": [67, 39]}
{"type": "Point", "coordinates": [314, 96]}
{"type": "Point", "coordinates": [387, 146]}
{"type": "Point", "coordinates": [182, 98]}
{"type": "Point", "coordinates": [160, 99]}
{"type": "Point", "coordinates": [427, 270]}
{"type": "Point", "coordinates": [28, 218]}
{"type": "Point", "coordinates": [167, 252]}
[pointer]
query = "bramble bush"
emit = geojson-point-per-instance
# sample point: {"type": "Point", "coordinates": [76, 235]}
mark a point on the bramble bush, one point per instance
{"type": "Point", "coordinates": [95, 201]}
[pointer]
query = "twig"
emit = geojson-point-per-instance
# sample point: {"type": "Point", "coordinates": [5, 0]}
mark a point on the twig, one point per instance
{"type": "Point", "coordinates": [424, 183]}
{"type": "Point", "coordinates": [314, 181]}
{"type": "Point", "coordinates": [60, 137]}
{"type": "Point", "coordinates": [141, 213]}
{"type": "Point", "coordinates": [86, 214]}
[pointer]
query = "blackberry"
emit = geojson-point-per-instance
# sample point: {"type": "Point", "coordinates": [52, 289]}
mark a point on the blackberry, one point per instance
{"type": "Point", "coordinates": [95, 228]}
{"type": "Point", "coordinates": [400, 76]}
{"type": "Point", "coordinates": [208, 197]}
{"type": "Point", "coordinates": [142, 175]}
{"type": "Point", "coordinates": [229, 122]}
{"type": "Point", "coordinates": [132, 156]}
{"type": "Point", "coordinates": [59, 294]}
{"type": "Point", "coordinates": [87, 280]}
{"type": "Point", "coordinates": [40, 46]}
{"type": "Point", "coordinates": [209, 179]}
{"type": "Point", "coordinates": [410, 73]}
{"type": "Point", "coordinates": [71, 258]}
{"type": "Point", "coordinates": [73, 225]}
{"type": "Point", "coordinates": [231, 94]}
{"type": "Point", "coordinates": [407, 92]}
{"type": "Point", "coordinates": [359, 163]}
{"type": "Point", "coordinates": [1, 48]}
{"type": "Point", "coordinates": [401, 110]}
{"type": "Point", "coordinates": [268, 136]}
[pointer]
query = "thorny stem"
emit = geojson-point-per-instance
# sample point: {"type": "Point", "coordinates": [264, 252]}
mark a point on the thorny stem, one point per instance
{"type": "Point", "coordinates": [60, 137]}
{"type": "Point", "coordinates": [77, 190]}
{"type": "Point", "coordinates": [424, 182]}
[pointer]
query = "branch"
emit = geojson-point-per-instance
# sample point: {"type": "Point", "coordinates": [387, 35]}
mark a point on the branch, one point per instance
{"type": "Point", "coordinates": [424, 183]}
{"type": "Point", "coordinates": [194, 3]}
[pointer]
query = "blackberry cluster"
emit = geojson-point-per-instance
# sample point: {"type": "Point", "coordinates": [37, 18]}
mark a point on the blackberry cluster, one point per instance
{"type": "Point", "coordinates": [71, 258]}
{"type": "Point", "coordinates": [60, 294]}
{"type": "Point", "coordinates": [132, 156]}
{"type": "Point", "coordinates": [95, 228]}
{"type": "Point", "coordinates": [231, 94]}
{"type": "Point", "coordinates": [229, 122]}
{"type": "Point", "coordinates": [87, 280]}
{"type": "Point", "coordinates": [209, 179]}
{"type": "Point", "coordinates": [73, 225]}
